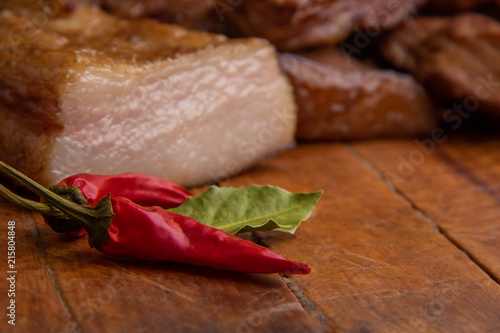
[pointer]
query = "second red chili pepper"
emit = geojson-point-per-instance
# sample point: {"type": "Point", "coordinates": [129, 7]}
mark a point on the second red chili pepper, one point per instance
{"type": "Point", "coordinates": [142, 189]}
{"type": "Point", "coordinates": [120, 227]}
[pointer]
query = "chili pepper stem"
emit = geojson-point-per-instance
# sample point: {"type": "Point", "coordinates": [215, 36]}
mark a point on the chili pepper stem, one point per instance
{"type": "Point", "coordinates": [96, 220]}
{"type": "Point", "coordinates": [30, 204]}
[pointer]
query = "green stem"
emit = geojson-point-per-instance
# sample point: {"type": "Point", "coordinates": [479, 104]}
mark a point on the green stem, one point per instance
{"type": "Point", "coordinates": [32, 205]}
{"type": "Point", "coordinates": [67, 206]}
{"type": "Point", "coordinates": [96, 220]}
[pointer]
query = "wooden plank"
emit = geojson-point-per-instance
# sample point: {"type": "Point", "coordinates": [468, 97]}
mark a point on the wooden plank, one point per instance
{"type": "Point", "coordinates": [477, 158]}
{"type": "Point", "coordinates": [37, 300]}
{"type": "Point", "coordinates": [105, 294]}
{"type": "Point", "coordinates": [457, 186]}
{"type": "Point", "coordinates": [378, 265]}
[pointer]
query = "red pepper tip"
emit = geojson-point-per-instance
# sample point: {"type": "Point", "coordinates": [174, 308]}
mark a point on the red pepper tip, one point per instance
{"type": "Point", "coordinates": [299, 268]}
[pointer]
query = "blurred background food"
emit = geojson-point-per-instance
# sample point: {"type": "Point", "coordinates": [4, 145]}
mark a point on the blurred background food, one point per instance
{"type": "Point", "coordinates": [341, 98]}
{"type": "Point", "coordinates": [456, 58]}
{"type": "Point", "coordinates": [451, 7]}
{"type": "Point", "coordinates": [292, 25]}
{"type": "Point", "coordinates": [358, 69]}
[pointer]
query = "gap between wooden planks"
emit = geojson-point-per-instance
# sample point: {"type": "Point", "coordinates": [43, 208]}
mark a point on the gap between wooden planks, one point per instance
{"type": "Point", "coordinates": [456, 185]}
{"type": "Point", "coordinates": [378, 265]}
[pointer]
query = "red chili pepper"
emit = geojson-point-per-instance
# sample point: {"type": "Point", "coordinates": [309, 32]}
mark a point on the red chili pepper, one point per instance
{"type": "Point", "coordinates": [154, 234]}
{"type": "Point", "coordinates": [120, 227]}
{"type": "Point", "coordinates": [142, 189]}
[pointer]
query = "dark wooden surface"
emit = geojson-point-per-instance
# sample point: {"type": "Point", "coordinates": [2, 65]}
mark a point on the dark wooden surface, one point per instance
{"type": "Point", "coordinates": [401, 241]}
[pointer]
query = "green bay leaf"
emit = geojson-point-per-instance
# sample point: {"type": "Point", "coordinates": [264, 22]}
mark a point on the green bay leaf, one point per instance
{"type": "Point", "coordinates": [253, 208]}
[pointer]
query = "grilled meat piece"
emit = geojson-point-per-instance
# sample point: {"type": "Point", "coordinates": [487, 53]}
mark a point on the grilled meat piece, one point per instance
{"type": "Point", "coordinates": [456, 57]}
{"type": "Point", "coordinates": [293, 24]}
{"type": "Point", "coordinates": [92, 93]}
{"type": "Point", "coordinates": [149, 8]}
{"type": "Point", "coordinates": [187, 13]}
{"type": "Point", "coordinates": [342, 99]}
{"type": "Point", "coordinates": [40, 11]}
{"type": "Point", "coordinates": [333, 56]}
{"type": "Point", "coordinates": [193, 14]}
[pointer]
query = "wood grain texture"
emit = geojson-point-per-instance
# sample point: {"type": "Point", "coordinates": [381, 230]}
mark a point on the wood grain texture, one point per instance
{"type": "Point", "coordinates": [457, 185]}
{"type": "Point", "coordinates": [380, 262]}
{"type": "Point", "coordinates": [86, 291]}
{"type": "Point", "coordinates": [38, 301]}
{"type": "Point", "coordinates": [378, 265]}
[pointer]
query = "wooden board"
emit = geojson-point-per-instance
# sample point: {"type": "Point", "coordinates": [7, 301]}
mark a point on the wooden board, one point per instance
{"type": "Point", "coordinates": [379, 265]}
{"type": "Point", "coordinates": [408, 257]}
{"type": "Point", "coordinates": [456, 185]}
{"type": "Point", "coordinates": [34, 284]}
{"type": "Point", "coordinates": [73, 289]}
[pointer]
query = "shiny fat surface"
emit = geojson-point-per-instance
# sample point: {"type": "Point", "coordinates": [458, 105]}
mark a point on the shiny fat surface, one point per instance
{"type": "Point", "coordinates": [194, 119]}
{"type": "Point", "coordinates": [93, 93]}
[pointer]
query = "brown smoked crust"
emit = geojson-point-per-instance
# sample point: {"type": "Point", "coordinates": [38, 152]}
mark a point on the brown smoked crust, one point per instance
{"type": "Point", "coordinates": [38, 61]}
{"type": "Point", "coordinates": [293, 25]}
{"type": "Point", "coordinates": [455, 57]}
{"type": "Point", "coordinates": [340, 98]}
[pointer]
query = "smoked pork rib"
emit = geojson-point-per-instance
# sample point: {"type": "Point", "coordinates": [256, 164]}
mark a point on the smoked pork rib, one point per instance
{"type": "Point", "coordinates": [294, 24]}
{"type": "Point", "coordinates": [93, 93]}
{"type": "Point", "coordinates": [340, 98]}
{"type": "Point", "coordinates": [456, 57]}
